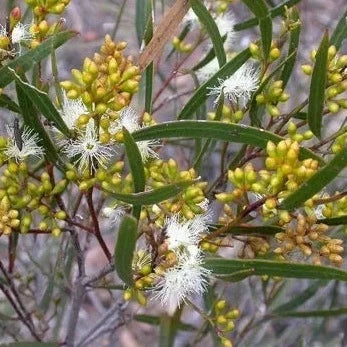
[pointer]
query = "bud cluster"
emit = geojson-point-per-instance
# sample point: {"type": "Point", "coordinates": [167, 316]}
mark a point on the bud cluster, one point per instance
{"type": "Point", "coordinates": [334, 208]}
{"type": "Point", "coordinates": [143, 275]}
{"type": "Point", "coordinates": [41, 8]}
{"type": "Point", "coordinates": [106, 82]}
{"type": "Point", "coordinates": [340, 143]}
{"type": "Point", "coordinates": [257, 53]}
{"type": "Point", "coordinates": [336, 78]}
{"type": "Point", "coordinates": [228, 115]}
{"type": "Point", "coordinates": [296, 136]}
{"type": "Point", "coordinates": [25, 199]}
{"type": "Point", "coordinates": [284, 173]}
{"type": "Point", "coordinates": [305, 235]}
{"type": "Point", "coordinates": [189, 203]}
{"type": "Point", "coordinates": [271, 96]}
{"type": "Point", "coordinates": [224, 316]}
{"type": "Point", "coordinates": [180, 46]}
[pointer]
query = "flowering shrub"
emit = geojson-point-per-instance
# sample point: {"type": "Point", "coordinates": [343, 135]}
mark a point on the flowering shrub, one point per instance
{"type": "Point", "coordinates": [253, 191]}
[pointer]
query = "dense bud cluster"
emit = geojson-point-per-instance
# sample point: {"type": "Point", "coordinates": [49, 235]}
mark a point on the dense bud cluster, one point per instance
{"type": "Point", "coordinates": [336, 79]}
{"type": "Point", "coordinates": [284, 173]}
{"type": "Point", "coordinates": [106, 82]}
{"type": "Point", "coordinates": [190, 203]}
{"type": "Point", "coordinates": [271, 96]}
{"type": "Point", "coordinates": [305, 235]}
{"type": "Point", "coordinates": [25, 200]}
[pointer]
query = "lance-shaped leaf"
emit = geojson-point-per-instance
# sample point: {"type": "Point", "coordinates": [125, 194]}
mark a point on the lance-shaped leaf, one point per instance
{"type": "Point", "coordinates": [7, 102]}
{"type": "Point", "coordinates": [42, 103]}
{"type": "Point", "coordinates": [136, 167]}
{"type": "Point", "coordinates": [317, 88]}
{"type": "Point", "coordinates": [124, 251]}
{"type": "Point", "coordinates": [292, 48]}
{"type": "Point", "coordinates": [135, 162]}
{"type": "Point", "coordinates": [211, 27]}
{"type": "Point", "coordinates": [26, 61]}
{"type": "Point", "coordinates": [341, 220]}
{"type": "Point", "coordinates": [214, 130]}
{"type": "Point", "coordinates": [32, 121]}
{"type": "Point", "coordinates": [317, 182]}
{"type": "Point", "coordinates": [152, 196]}
{"type": "Point", "coordinates": [260, 267]}
{"type": "Point", "coordinates": [261, 11]}
{"type": "Point", "coordinates": [202, 92]}
{"type": "Point", "coordinates": [340, 32]}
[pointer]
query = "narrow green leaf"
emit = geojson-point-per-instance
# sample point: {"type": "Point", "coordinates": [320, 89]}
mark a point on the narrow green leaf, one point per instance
{"type": "Point", "coordinates": [221, 266]}
{"type": "Point", "coordinates": [136, 167]}
{"type": "Point", "coordinates": [211, 27]}
{"type": "Point", "coordinates": [318, 313]}
{"type": "Point", "coordinates": [32, 121]}
{"type": "Point", "coordinates": [26, 61]}
{"type": "Point", "coordinates": [214, 130]}
{"type": "Point", "coordinates": [317, 182]}
{"type": "Point", "coordinates": [204, 149]}
{"type": "Point", "coordinates": [300, 298]}
{"type": "Point", "coordinates": [340, 32]}
{"type": "Point", "coordinates": [261, 11]}
{"type": "Point", "coordinates": [153, 196]}
{"type": "Point", "coordinates": [140, 20]}
{"type": "Point", "coordinates": [275, 12]}
{"type": "Point", "coordinates": [292, 48]}
{"type": "Point", "coordinates": [317, 88]}
{"type": "Point", "coordinates": [342, 220]}
{"type": "Point", "coordinates": [237, 276]}
{"type": "Point", "coordinates": [42, 103]}
{"type": "Point", "coordinates": [124, 251]}
{"type": "Point", "coordinates": [7, 102]}
{"type": "Point", "coordinates": [167, 331]}
{"type": "Point", "coordinates": [202, 92]}
{"type": "Point", "coordinates": [135, 162]}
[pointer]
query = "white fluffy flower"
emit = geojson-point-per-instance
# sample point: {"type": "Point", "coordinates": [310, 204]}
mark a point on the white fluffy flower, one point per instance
{"type": "Point", "coordinates": [89, 150]}
{"type": "Point", "coordinates": [21, 33]}
{"type": "Point", "coordinates": [28, 144]}
{"type": "Point", "coordinates": [182, 281]}
{"type": "Point", "coordinates": [239, 86]}
{"type": "Point", "coordinates": [129, 119]}
{"type": "Point", "coordinates": [225, 26]}
{"type": "Point", "coordinates": [114, 215]}
{"type": "Point", "coordinates": [71, 110]}
{"type": "Point", "coordinates": [183, 234]}
{"type": "Point", "coordinates": [207, 71]}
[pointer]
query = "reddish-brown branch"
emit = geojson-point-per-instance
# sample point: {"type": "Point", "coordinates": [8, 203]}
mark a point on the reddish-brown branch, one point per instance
{"type": "Point", "coordinates": [95, 221]}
